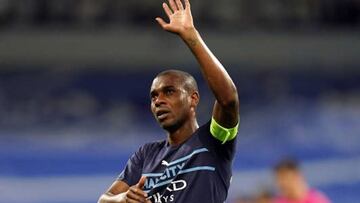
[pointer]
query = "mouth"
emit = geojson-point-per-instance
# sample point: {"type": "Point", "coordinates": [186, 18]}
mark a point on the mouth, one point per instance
{"type": "Point", "coordinates": [162, 114]}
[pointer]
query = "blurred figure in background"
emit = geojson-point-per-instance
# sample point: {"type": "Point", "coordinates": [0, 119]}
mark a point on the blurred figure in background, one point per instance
{"type": "Point", "coordinates": [264, 196]}
{"type": "Point", "coordinates": [244, 199]}
{"type": "Point", "coordinates": [292, 185]}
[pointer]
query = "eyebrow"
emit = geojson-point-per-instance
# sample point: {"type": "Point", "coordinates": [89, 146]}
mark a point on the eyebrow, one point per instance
{"type": "Point", "coordinates": [163, 88]}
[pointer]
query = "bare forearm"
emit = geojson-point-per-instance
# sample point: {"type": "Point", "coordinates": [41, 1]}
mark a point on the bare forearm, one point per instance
{"type": "Point", "coordinates": [213, 71]}
{"type": "Point", "coordinates": [109, 198]}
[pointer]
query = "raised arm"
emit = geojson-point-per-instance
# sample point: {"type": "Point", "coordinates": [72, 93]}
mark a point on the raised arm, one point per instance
{"type": "Point", "coordinates": [226, 107]}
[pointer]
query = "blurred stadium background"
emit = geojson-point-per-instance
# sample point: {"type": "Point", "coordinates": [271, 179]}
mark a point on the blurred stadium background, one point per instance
{"type": "Point", "coordinates": [75, 77]}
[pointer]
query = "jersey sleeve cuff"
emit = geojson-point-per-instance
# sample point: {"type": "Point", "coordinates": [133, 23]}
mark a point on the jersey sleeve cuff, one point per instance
{"type": "Point", "coordinates": [221, 133]}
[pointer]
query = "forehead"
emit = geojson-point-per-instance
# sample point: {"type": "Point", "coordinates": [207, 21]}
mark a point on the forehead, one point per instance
{"type": "Point", "coordinates": [166, 81]}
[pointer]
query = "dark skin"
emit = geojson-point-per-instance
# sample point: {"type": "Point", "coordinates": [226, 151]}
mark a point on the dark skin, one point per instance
{"type": "Point", "coordinates": [173, 105]}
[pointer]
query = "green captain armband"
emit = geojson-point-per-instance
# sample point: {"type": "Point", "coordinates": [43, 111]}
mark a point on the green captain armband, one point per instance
{"type": "Point", "coordinates": [221, 133]}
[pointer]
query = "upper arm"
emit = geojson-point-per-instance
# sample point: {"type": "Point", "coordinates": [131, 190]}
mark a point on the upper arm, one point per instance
{"type": "Point", "coordinates": [225, 122]}
{"type": "Point", "coordinates": [118, 187]}
{"type": "Point", "coordinates": [227, 115]}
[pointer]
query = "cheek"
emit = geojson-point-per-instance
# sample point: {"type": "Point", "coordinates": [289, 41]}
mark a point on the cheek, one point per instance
{"type": "Point", "coordinates": [184, 105]}
{"type": "Point", "coordinates": [152, 108]}
{"type": "Point", "coordinates": [177, 110]}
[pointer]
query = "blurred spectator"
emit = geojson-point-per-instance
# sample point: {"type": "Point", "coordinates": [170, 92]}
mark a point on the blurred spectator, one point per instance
{"type": "Point", "coordinates": [292, 185]}
{"type": "Point", "coordinates": [264, 197]}
{"type": "Point", "coordinates": [243, 199]}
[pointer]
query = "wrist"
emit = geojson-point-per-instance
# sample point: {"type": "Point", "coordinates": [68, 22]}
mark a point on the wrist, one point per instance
{"type": "Point", "coordinates": [191, 37]}
{"type": "Point", "coordinates": [188, 33]}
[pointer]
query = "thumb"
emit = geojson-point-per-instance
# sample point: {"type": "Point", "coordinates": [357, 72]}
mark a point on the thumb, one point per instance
{"type": "Point", "coordinates": [161, 22]}
{"type": "Point", "coordinates": [141, 182]}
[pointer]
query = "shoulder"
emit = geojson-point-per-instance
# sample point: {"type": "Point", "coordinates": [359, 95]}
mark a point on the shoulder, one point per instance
{"type": "Point", "coordinates": [205, 128]}
{"type": "Point", "coordinates": [203, 132]}
{"type": "Point", "coordinates": [222, 149]}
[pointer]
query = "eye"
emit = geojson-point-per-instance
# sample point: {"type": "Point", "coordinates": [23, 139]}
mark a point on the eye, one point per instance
{"type": "Point", "coordinates": [153, 96]}
{"type": "Point", "coordinates": [169, 91]}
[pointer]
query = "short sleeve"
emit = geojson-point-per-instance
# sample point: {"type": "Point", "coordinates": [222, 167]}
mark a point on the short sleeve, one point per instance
{"type": "Point", "coordinates": [133, 169]}
{"type": "Point", "coordinates": [225, 151]}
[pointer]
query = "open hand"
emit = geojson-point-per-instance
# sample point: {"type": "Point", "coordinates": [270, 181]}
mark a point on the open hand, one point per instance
{"type": "Point", "coordinates": [179, 15]}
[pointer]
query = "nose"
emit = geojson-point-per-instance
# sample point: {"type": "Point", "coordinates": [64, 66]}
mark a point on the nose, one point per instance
{"type": "Point", "coordinates": [159, 100]}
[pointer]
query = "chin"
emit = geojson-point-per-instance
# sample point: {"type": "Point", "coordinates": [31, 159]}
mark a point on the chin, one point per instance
{"type": "Point", "coordinates": [169, 126]}
{"type": "Point", "coordinates": [166, 125]}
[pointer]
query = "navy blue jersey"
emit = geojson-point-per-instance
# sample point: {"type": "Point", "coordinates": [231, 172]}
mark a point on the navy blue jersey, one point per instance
{"type": "Point", "coordinates": [198, 170]}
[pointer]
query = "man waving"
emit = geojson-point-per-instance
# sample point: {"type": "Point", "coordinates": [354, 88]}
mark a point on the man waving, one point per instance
{"type": "Point", "coordinates": [193, 164]}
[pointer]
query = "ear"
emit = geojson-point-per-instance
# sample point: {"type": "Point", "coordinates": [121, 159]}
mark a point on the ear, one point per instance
{"type": "Point", "coordinates": [195, 98]}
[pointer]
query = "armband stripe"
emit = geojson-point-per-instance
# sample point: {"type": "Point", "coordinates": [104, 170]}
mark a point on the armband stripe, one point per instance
{"type": "Point", "coordinates": [221, 133]}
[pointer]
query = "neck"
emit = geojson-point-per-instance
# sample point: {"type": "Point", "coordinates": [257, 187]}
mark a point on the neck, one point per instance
{"type": "Point", "coordinates": [181, 134]}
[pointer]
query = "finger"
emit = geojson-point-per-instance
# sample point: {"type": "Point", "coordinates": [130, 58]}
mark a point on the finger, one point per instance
{"type": "Point", "coordinates": [141, 182]}
{"type": "Point", "coordinates": [131, 195]}
{"type": "Point", "coordinates": [179, 4]}
{"type": "Point", "coordinates": [133, 201]}
{"type": "Point", "coordinates": [138, 191]}
{"type": "Point", "coordinates": [187, 4]}
{"type": "Point", "coordinates": [167, 10]}
{"type": "Point", "coordinates": [173, 5]}
{"type": "Point", "coordinates": [161, 22]}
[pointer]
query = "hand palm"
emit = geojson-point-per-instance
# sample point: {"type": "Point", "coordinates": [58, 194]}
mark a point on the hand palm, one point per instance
{"type": "Point", "coordinates": [180, 17]}
{"type": "Point", "coordinates": [178, 21]}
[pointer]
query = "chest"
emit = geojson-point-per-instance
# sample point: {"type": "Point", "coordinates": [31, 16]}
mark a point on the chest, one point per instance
{"type": "Point", "coordinates": [163, 166]}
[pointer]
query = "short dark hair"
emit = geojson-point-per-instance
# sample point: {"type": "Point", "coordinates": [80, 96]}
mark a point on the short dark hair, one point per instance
{"type": "Point", "coordinates": [287, 164]}
{"type": "Point", "coordinates": [189, 81]}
